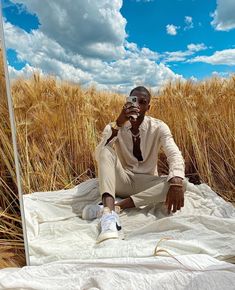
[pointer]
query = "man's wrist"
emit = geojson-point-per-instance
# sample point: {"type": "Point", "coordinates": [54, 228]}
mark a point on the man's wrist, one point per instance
{"type": "Point", "coordinates": [119, 124]}
{"type": "Point", "coordinates": [115, 126]}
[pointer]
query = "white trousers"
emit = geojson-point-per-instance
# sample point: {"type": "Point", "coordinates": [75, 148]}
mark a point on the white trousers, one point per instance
{"type": "Point", "coordinates": [144, 189]}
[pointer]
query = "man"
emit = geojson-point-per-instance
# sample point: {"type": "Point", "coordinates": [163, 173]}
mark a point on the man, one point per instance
{"type": "Point", "coordinates": [127, 166]}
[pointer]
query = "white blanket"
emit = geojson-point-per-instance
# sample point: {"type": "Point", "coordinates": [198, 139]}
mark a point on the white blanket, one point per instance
{"type": "Point", "coordinates": [190, 240]}
{"type": "Point", "coordinates": [190, 272]}
{"type": "Point", "coordinates": [206, 225]}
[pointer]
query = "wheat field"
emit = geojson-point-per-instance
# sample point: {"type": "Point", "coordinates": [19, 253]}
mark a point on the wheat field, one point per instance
{"type": "Point", "coordinates": [59, 124]}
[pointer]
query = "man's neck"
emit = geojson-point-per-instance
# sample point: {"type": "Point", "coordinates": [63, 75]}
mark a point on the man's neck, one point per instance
{"type": "Point", "coordinates": [137, 123]}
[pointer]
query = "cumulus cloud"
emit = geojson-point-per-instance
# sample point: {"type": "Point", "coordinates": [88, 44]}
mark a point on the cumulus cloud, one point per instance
{"type": "Point", "coordinates": [91, 28]}
{"type": "Point", "coordinates": [224, 15]}
{"type": "Point", "coordinates": [135, 66]}
{"type": "Point", "coordinates": [222, 57]}
{"type": "Point", "coordinates": [124, 74]}
{"type": "Point", "coordinates": [133, 50]}
{"type": "Point", "coordinates": [171, 29]}
{"type": "Point", "coordinates": [25, 72]}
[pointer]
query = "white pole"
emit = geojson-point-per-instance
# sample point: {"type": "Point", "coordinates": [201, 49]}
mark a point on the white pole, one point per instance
{"type": "Point", "coordinates": [13, 133]}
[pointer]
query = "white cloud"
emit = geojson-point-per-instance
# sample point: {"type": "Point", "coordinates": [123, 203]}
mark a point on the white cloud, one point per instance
{"type": "Point", "coordinates": [25, 72]}
{"type": "Point", "coordinates": [189, 22]}
{"type": "Point", "coordinates": [176, 56]}
{"type": "Point", "coordinates": [222, 57]}
{"type": "Point", "coordinates": [131, 46]}
{"type": "Point", "coordinates": [147, 53]}
{"type": "Point", "coordinates": [129, 72]}
{"type": "Point", "coordinates": [221, 74]}
{"type": "Point", "coordinates": [193, 79]}
{"type": "Point", "coordinates": [133, 50]}
{"type": "Point", "coordinates": [179, 56]}
{"type": "Point", "coordinates": [91, 28]}
{"type": "Point", "coordinates": [171, 29]}
{"type": "Point", "coordinates": [47, 55]}
{"type": "Point", "coordinates": [224, 15]}
{"type": "Point", "coordinates": [196, 47]}
{"type": "Point", "coordinates": [136, 65]}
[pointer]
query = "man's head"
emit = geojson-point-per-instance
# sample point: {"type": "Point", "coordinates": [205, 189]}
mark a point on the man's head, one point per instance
{"type": "Point", "coordinates": [144, 98]}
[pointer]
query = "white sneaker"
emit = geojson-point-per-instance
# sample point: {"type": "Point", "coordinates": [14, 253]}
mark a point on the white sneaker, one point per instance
{"type": "Point", "coordinates": [92, 211]}
{"type": "Point", "coordinates": [110, 225]}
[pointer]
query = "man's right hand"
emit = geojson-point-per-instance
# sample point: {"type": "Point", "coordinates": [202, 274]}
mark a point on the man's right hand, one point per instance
{"type": "Point", "coordinates": [127, 111]}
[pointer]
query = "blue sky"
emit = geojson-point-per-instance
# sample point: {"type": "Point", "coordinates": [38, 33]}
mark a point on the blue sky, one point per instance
{"type": "Point", "coordinates": [116, 45]}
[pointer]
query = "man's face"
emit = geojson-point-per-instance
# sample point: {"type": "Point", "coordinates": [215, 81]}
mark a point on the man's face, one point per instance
{"type": "Point", "coordinates": [143, 101]}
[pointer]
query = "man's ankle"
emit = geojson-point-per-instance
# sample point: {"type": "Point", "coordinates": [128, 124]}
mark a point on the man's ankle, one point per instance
{"type": "Point", "coordinates": [116, 209]}
{"type": "Point", "coordinates": [108, 201]}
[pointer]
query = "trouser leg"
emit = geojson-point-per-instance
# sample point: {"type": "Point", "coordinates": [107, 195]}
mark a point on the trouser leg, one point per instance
{"type": "Point", "coordinates": [113, 179]}
{"type": "Point", "coordinates": [151, 189]}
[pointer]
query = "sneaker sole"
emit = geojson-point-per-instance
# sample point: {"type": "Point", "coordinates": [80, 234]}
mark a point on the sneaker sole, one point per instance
{"type": "Point", "coordinates": [107, 236]}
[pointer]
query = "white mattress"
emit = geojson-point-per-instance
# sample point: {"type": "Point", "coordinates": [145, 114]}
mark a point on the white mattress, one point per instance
{"type": "Point", "coordinates": [199, 235]}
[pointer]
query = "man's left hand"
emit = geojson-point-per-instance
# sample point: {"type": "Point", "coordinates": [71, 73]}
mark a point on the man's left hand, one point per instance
{"type": "Point", "coordinates": [174, 198]}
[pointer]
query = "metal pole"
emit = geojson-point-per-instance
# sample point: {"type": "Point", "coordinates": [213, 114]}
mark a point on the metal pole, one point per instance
{"type": "Point", "coordinates": [13, 133]}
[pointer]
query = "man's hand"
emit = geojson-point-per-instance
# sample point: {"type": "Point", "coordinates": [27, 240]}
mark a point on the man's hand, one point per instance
{"type": "Point", "coordinates": [174, 198]}
{"type": "Point", "coordinates": [127, 110]}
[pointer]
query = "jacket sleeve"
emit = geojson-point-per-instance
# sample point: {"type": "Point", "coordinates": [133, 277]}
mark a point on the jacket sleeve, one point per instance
{"type": "Point", "coordinates": [106, 134]}
{"type": "Point", "coordinates": [174, 157]}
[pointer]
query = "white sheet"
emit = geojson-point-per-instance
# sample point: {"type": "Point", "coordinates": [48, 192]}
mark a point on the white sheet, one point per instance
{"type": "Point", "coordinates": [192, 272]}
{"type": "Point", "coordinates": [202, 231]}
{"type": "Point", "coordinates": [206, 225]}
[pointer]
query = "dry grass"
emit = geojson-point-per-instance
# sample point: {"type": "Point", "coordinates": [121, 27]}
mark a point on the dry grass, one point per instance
{"type": "Point", "coordinates": [11, 245]}
{"type": "Point", "coordinates": [59, 125]}
{"type": "Point", "coordinates": [201, 117]}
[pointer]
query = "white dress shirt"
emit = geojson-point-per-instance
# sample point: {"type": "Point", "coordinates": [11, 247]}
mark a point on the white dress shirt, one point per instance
{"type": "Point", "coordinates": [154, 134]}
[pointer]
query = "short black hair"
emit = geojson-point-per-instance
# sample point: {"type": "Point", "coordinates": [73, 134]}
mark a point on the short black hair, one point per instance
{"type": "Point", "coordinates": [142, 90]}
